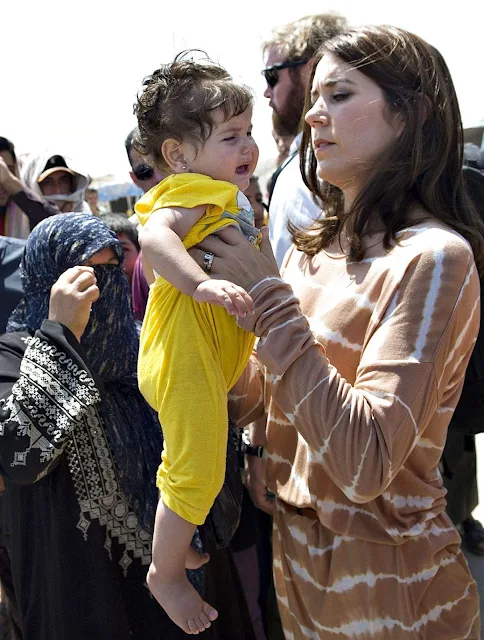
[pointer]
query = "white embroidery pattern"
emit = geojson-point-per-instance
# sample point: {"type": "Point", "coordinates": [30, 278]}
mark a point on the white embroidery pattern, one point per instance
{"type": "Point", "coordinates": [94, 475]}
{"type": "Point", "coordinates": [58, 396]}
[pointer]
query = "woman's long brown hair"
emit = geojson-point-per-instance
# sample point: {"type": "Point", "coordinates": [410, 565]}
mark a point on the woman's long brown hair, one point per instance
{"type": "Point", "coordinates": [425, 164]}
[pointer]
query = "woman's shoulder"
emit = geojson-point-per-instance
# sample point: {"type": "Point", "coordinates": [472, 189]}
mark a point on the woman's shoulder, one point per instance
{"type": "Point", "coordinates": [15, 340]}
{"type": "Point", "coordinates": [431, 245]}
{"type": "Point", "coordinates": [424, 248]}
{"type": "Point", "coordinates": [12, 348]}
{"type": "Point", "coordinates": [432, 237]}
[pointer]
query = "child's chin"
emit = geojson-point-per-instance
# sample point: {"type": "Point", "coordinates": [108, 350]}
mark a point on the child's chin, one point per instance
{"type": "Point", "coordinates": [243, 182]}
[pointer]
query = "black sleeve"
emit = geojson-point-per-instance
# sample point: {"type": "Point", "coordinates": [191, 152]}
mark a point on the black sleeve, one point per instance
{"type": "Point", "coordinates": [45, 390]}
{"type": "Point", "coordinates": [34, 206]}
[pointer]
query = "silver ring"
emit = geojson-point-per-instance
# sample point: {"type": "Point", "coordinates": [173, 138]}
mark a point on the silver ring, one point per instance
{"type": "Point", "coordinates": [208, 261]}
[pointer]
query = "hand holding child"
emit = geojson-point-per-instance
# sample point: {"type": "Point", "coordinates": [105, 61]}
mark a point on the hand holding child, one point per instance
{"type": "Point", "coordinates": [236, 300]}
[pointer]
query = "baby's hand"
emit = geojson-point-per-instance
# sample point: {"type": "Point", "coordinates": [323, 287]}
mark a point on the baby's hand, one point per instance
{"type": "Point", "coordinates": [226, 294]}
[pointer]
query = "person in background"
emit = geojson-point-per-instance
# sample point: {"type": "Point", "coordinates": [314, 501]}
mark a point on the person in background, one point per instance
{"type": "Point", "coordinates": [11, 251]}
{"type": "Point", "coordinates": [140, 286]}
{"type": "Point", "coordinates": [54, 177]}
{"type": "Point", "coordinates": [254, 196]}
{"type": "Point", "coordinates": [143, 174]}
{"type": "Point", "coordinates": [127, 234]}
{"type": "Point", "coordinates": [92, 199]}
{"type": "Point", "coordinates": [474, 156]}
{"type": "Point", "coordinates": [145, 177]}
{"type": "Point", "coordinates": [283, 144]}
{"type": "Point", "coordinates": [289, 54]}
{"type": "Point", "coordinates": [459, 459]}
{"type": "Point", "coordinates": [20, 207]}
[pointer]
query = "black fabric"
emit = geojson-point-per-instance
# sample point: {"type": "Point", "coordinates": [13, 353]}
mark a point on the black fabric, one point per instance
{"type": "Point", "coordinates": [468, 418]}
{"type": "Point", "coordinates": [246, 534]}
{"type": "Point", "coordinates": [278, 171]}
{"type": "Point", "coordinates": [224, 516]}
{"type": "Point", "coordinates": [11, 251]}
{"type": "Point", "coordinates": [68, 587]}
{"type": "Point", "coordinates": [12, 617]}
{"type": "Point", "coordinates": [460, 476]}
{"type": "Point", "coordinates": [224, 592]}
{"type": "Point", "coordinates": [54, 162]}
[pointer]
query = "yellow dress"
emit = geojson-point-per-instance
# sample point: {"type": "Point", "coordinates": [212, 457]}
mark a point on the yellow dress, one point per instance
{"type": "Point", "coordinates": [191, 354]}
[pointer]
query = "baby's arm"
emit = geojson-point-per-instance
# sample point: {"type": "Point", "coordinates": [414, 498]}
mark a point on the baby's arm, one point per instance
{"type": "Point", "coordinates": [161, 242]}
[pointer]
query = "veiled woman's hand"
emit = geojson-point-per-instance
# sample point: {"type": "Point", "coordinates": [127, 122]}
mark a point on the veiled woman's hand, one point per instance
{"type": "Point", "coordinates": [236, 259]}
{"type": "Point", "coordinates": [71, 298]}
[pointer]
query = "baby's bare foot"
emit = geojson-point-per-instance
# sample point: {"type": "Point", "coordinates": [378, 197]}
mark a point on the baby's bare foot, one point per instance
{"type": "Point", "coordinates": [183, 605]}
{"type": "Point", "coordinates": [195, 560]}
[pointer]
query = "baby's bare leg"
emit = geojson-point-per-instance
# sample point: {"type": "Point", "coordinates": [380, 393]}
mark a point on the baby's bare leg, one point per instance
{"type": "Point", "coordinates": [167, 579]}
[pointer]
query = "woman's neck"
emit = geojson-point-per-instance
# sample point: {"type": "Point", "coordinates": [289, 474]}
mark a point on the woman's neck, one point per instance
{"type": "Point", "coordinates": [350, 195]}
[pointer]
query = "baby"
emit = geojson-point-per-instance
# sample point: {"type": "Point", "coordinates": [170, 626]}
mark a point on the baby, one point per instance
{"type": "Point", "coordinates": [195, 124]}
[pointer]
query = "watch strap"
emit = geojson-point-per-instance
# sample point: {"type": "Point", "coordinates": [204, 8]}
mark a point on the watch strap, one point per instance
{"type": "Point", "coordinates": [249, 449]}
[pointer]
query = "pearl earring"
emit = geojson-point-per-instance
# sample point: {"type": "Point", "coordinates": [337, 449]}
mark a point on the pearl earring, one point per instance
{"type": "Point", "coordinates": [183, 167]}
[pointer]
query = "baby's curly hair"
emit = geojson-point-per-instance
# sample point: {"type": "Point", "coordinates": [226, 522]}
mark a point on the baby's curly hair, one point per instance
{"type": "Point", "coordinates": [179, 101]}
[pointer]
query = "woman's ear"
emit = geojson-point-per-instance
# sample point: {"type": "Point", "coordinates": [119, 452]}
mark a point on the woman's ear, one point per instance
{"type": "Point", "coordinates": [172, 152]}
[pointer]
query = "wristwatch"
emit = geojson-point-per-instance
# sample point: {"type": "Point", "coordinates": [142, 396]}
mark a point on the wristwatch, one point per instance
{"type": "Point", "coordinates": [250, 449]}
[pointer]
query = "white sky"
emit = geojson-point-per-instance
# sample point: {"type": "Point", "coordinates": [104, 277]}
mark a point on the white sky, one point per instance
{"type": "Point", "coordinates": [70, 71]}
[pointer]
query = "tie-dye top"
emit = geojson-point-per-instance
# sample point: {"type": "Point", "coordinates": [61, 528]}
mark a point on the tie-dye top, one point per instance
{"type": "Point", "coordinates": [364, 365]}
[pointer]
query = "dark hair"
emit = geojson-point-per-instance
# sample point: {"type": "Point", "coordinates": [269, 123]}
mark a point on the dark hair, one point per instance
{"type": "Point", "coordinates": [179, 101]}
{"type": "Point", "coordinates": [128, 143]}
{"type": "Point", "coordinates": [425, 164]}
{"type": "Point", "coordinates": [119, 223]}
{"type": "Point", "coordinates": [6, 145]}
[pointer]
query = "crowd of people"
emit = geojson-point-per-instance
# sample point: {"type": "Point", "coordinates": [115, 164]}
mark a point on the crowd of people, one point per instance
{"type": "Point", "coordinates": [250, 421]}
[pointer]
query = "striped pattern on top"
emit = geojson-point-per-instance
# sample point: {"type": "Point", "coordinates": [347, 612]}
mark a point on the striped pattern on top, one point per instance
{"type": "Point", "coordinates": [359, 392]}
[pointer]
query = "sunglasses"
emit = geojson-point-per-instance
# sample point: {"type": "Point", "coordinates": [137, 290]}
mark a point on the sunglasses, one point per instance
{"type": "Point", "coordinates": [271, 74]}
{"type": "Point", "coordinates": [143, 172]}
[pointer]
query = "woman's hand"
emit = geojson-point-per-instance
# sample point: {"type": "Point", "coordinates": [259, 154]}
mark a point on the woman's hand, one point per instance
{"type": "Point", "coordinates": [256, 484]}
{"type": "Point", "coordinates": [71, 299]}
{"type": "Point", "coordinates": [236, 259]}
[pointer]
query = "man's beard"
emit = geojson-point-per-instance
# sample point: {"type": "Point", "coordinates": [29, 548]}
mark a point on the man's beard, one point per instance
{"type": "Point", "coordinates": [286, 121]}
